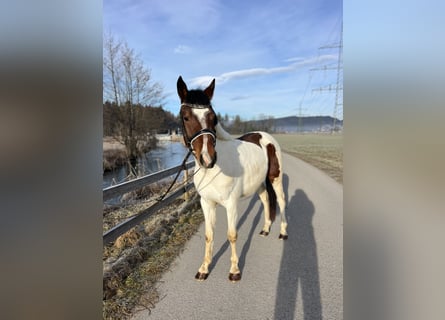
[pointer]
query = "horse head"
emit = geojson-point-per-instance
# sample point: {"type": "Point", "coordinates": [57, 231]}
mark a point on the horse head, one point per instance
{"type": "Point", "coordinates": [198, 122]}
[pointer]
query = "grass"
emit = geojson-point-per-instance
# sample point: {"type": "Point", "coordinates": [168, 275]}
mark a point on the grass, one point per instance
{"type": "Point", "coordinates": [323, 151]}
{"type": "Point", "coordinates": [114, 154]}
{"type": "Point", "coordinates": [138, 258]}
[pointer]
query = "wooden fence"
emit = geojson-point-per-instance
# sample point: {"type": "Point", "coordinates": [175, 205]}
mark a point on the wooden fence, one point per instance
{"type": "Point", "coordinates": [119, 189]}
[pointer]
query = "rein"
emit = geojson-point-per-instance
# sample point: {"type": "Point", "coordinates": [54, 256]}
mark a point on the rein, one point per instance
{"type": "Point", "coordinates": [183, 167]}
{"type": "Point", "coordinates": [189, 143]}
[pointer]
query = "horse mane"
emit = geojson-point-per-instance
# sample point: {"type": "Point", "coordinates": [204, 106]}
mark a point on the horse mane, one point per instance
{"type": "Point", "coordinates": [222, 134]}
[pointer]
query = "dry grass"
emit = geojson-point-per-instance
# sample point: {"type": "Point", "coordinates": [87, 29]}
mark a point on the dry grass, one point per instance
{"type": "Point", "coordinates": [110, 143]}
{"type": "Point", "coordinates": [132, 203]}
{"type": "Point", "coordinates": [137, 259]}
{"type": "Point", "coordinates": [114, 154]}
{"type": "Point", "coordinates": [324, 151]}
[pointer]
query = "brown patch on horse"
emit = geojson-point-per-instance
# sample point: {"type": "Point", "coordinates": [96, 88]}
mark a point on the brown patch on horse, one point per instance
{"type": "Point", "coordinates": [273, 170]}
{"type": "Point", "coordinates": [274, 166]}
{"type": "Point", "coordinates": [253, 137]}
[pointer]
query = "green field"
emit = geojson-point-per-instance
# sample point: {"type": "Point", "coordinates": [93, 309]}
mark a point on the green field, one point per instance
{"type": "Point", "coordinates": [324, 151]}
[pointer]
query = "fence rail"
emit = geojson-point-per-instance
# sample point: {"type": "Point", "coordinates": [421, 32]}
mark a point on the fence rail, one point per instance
{"type": "Point", "coordinates": [119, 189]}
{"type": "Point", "coordinates": [113, 191]}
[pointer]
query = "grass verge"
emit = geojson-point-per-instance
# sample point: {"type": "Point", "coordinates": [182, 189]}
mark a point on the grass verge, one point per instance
{"type": "Point", "coordinates": [323, 151]}
{"type": "Point", "coordinates": [136, 261]}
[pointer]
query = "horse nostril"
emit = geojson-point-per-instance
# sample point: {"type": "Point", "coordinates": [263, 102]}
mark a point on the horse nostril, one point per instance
{"type": "Point", "coordinates": [210, 163]}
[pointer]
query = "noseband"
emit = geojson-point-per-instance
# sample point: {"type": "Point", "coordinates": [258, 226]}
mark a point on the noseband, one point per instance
{"type": "Point", "coordinates": [189, 140]}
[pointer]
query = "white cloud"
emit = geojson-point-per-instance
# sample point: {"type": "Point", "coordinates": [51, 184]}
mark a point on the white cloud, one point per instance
{"type": "Point", "coordinates": [294, 59]}
{"type": "Point", "coordinates": [203, 81]}
{"type": "Point", "coordinates": [182, 49]}
{"type": "Point", "coordinates": [240, 97]}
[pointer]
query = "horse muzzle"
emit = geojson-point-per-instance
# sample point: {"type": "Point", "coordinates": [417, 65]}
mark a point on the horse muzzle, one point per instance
{"type": "Point", "coordinates": [206, 161]}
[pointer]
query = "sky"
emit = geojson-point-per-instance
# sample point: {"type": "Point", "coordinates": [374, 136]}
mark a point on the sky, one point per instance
{"type": "Point", "coordinates": [260, 52]}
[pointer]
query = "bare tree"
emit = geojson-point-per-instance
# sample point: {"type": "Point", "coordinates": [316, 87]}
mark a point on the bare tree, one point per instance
{"type": "Point", "coordinates": [112, 68]}
{"type": "Point", "coordinates": [136, 85]}
{"type": "Point", "coordinates": [127, 82]}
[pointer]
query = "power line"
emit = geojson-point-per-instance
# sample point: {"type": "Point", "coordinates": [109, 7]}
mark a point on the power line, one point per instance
{"type": "Point", "coordinates": [337, 88]}
{"type": "Point", "coordinates": [340, 51]}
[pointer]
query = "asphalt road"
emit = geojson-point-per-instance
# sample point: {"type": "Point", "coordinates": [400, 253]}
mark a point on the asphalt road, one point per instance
{"type": "Point", "coordinates": [301, 278]}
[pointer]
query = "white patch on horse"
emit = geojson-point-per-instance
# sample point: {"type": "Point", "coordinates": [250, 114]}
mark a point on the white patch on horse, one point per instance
{"type": "Point", "coordinates": [201, 114]}
{"type": "Point", "coordinates": [241, 170]}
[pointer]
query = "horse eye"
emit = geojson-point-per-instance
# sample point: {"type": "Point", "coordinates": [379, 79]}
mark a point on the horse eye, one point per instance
{"type": "Point", "coordinates": [186, 119]}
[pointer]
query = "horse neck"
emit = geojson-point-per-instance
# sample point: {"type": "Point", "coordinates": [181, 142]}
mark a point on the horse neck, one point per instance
{"type": "Point", "coordinates": [222, 134]}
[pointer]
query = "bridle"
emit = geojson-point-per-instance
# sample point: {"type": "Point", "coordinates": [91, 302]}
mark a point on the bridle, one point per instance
{"type": "Point", "coordinates": [189, 140]}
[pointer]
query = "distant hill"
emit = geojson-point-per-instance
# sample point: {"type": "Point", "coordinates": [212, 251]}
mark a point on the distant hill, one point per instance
{"type": "Point", "coordinates": [303, 124]}
{"type": "Point", "coordinates": [306, 124]}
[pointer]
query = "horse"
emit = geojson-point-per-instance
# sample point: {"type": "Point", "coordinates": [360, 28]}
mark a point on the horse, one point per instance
{"type": "Point", "coordinates": [228, 169]}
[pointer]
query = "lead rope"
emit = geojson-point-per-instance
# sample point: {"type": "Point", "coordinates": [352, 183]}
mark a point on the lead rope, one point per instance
{"type": "Point", "coordinates": [183, 167]}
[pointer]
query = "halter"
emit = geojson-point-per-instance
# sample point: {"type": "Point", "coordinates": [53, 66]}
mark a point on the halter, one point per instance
{"type": "Point", "coordinates": [189, 141]}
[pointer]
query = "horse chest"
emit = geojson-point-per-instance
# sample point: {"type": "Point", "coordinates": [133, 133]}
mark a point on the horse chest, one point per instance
{"type": "Point", "coordinates": [232, 177]}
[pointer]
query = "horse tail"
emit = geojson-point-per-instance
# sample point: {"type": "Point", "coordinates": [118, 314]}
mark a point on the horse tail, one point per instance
{"type": "Point", "coordinates": [272, 199]}
{"type": "Point", "coordinates": [273, 171]}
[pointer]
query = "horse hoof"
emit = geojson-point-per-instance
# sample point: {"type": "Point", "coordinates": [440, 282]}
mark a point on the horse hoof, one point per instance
{"type": "Point", "coordinates": [234, 277]}
{"type": "Point", "coordinates": [264, 233]}
{"type": "Point", "coordinates": [282, 236]}
{"type": "Point", "coordinates": [201, 276]}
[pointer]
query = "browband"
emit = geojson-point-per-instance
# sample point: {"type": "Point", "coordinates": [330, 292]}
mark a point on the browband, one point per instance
{"type": "Point", "coordinates": [196, 106]}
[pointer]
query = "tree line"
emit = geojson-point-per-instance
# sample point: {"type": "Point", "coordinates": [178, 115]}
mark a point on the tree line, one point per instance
{"type": "Point", "coordinates": [148, 120]}
{"type": "Point", "coordinates": [239, 126]}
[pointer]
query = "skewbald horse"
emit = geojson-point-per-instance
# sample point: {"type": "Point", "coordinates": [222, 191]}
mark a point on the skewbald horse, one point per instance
{"type": "Point", "coordinates": [228, 169]}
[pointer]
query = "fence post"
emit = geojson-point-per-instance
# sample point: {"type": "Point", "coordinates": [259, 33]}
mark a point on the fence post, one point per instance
{"type": "Point", "coordinates": [186, 176]}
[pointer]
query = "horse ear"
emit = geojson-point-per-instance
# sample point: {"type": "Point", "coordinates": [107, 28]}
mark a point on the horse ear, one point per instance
{"type": "Point", "coordinates": [182, 89]}
{"type": "Point", "coordinates": [209, 90]}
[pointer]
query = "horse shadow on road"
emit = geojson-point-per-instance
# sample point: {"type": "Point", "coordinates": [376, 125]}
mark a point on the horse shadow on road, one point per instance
{"type": "Point", "coordinates": [299, 263]}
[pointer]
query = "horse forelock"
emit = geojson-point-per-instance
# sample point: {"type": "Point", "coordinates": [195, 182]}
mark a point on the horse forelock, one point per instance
{"type": "Point", "coordinates": [197, 97]}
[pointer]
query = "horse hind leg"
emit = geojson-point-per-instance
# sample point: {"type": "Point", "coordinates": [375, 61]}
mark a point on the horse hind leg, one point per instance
{"type": "Point", "coordinates": [264, 197]}
{"type": "Point", "coordinates": [274, 184]}
{"type": "Point", "coordinates": [209, 209]}
{"type": "Point", "coordinates": [278, 188]}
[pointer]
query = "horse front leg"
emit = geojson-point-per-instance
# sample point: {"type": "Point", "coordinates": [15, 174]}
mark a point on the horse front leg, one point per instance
{"type": "Point", "coordinates": [232, 215]}
{"type": "Point", "coordinates": [209, 209]}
